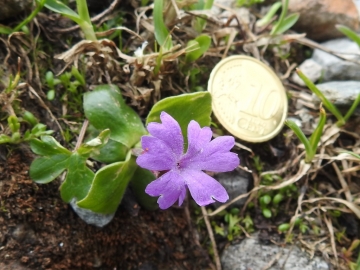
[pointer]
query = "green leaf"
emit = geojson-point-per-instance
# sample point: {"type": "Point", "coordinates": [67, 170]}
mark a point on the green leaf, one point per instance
{"type": "Point", "coordinates": [95, 144]}
{"type": "Point", "coordinates": [106, 109]}
{"type": "Point", "coordinates": [138, 183]}
{"type": "Point", "coordinates": [199, 46]}
{"type": "Point", "coordinates": [284, 227]}
{"type": "Point", "coordinates": [59, 7]}
{"type": "Point", "coordinates": [109, 186]}
{"type": "Point", "coordinates": [45, 169]}
{"type": "Point", "coordinates": [47, 146]}
{"type": "Point", "coordinates": [349, 33]}
{"type": "Point", "coordinates": [4, 138]}
{"type": "Point", "coordinates": [162, 35]}
{"type": "Point", "coordinates": [78, 179]}
{"type": "Point", "coordinates": [184, 108]}
{"type": "Point", "coordinates": [13, 123]}
{"type": "Point", "coordinates": [5, 30]}
{"type": "Point", "coordinates": [286, 24]}
{"type": "Point", "coordinates": [111, 152]}
{"type": "Point", "coordinates": [267, 18]}
{"type": "Point", "coordinates": [56, 159]}
{"type": "Point", "coordinates": [30, 118]}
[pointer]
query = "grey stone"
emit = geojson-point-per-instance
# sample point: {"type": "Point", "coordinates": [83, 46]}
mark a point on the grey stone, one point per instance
{"type": "Point", "coordinates": [311, 69]}
{"type": "Point", "coordinates": [90, 217]}
{"type": "Point", "coordinates": [335, 68]}
{"type": "Point", "coordinates": [340, 93]}
{"type": "Point", "coordinates": [250, 254]}
{"type": "Point", "coordinates": [10, 8]}
{"type": "Point", "coordinates": [236, 183]}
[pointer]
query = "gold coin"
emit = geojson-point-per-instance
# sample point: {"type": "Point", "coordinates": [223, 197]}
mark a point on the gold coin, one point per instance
{"type": "Point", "coordinates": [248, 98]}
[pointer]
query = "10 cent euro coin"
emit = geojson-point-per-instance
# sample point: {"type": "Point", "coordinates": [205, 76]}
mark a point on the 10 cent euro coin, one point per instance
{"type": "Point", "coordinates": [248, 98]}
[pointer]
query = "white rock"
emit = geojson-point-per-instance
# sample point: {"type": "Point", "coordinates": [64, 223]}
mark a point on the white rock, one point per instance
{"type": "Point", "coordinates": [311, 69]}
{"type": "Point", "coordinates": [335, 68]}
{"type": "Point", "coordinates": [340, 93]}
{"type": "Point", "coordinates": [251, 254]}
{"type": "Point", "coordinates": [90, 217]}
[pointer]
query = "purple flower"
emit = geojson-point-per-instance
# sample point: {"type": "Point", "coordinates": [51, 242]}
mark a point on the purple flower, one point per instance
{"type": "Point", "coordinates": [163, 151]}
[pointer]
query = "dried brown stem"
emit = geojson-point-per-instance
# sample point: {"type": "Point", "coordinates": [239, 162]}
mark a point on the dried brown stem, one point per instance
{"type": "Point", "coordinates": [212, 238]}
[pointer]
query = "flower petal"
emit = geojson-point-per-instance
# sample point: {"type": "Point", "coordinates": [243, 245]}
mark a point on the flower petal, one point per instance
{"type": "Point", "coordinates": [170, 187]}
{"type": "Point", "coordinates": [168, 131]}
{"type": "Point", "coordinates": [215, 156]}
{"type": "Point", "coordinates": [157, 156]}
{"type": "Point", "coordinates": [198, 138]}
{"type": "Point", "coordinates": [203, 188]}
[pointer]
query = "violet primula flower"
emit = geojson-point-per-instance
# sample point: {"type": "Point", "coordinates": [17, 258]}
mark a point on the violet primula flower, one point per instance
{"type": "Point", "coordinates": [163, 151]}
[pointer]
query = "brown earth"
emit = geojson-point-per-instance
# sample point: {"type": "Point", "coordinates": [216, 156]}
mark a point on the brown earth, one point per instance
{"type": "Point", "coordinates": [39, 231]}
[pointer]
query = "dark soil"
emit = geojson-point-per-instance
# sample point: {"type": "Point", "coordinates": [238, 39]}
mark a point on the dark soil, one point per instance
{"type": "Point", "coordinates": [39, 231]}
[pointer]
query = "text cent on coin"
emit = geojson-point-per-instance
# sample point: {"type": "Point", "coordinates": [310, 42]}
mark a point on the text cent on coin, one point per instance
{"type": "Point", "coordinates": [248, 98]}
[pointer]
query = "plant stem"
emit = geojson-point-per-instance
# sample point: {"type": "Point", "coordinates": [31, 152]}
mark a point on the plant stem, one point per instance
{"type": "Point", "coordinates": [31, 16]}
{"type": "Point", "coordinates": [85, 25]}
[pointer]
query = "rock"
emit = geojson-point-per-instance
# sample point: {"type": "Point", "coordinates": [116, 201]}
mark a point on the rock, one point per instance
{"type": "Point", "coordinates": [340, 93]}
{"type": "Point", "coordinates": [236, 183]}
{"type": "Point", "coordinates": [90, 217]}
{"type": "Point", "coordinates": [251, 254]}
{"type": "Point", "coordinates": [319, 17]}
{"type": "Point", "coordinates": [335, 68]}
{"type": "Point", "coordinates": [10, 8]}
{"type": "Point", "coordinates": [311, 69]}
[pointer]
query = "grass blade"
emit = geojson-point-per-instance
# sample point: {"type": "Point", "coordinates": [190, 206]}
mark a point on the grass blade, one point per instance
{"type": "Point", "coordinates": [298, 132]}
{"type": "Point", "coordinates": [161, 33]}
{"type": "Point", "coordinates": [286, 24]}
{"type": "Point", "coordinates": [327, 104]}
{"type": "Point", "coordinates": [315, 137]}
{"type": "Point", "coordinates": [349, 33]}
{"type": "Point", "coordinates": [267, 18]}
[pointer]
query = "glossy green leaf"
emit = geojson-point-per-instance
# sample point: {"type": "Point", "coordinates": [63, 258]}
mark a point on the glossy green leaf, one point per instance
{"type": "Point", "coordinates": [78, 179]}
{"type": "Point", "coordinates": [184, 108]}
{"type": "Point", "coordinates": [45, 169]}
{"type": "Point", "coordinates": [109, 186]}
{"type": "Point", "coordinates": [106, 109]}
{"type": "Point", "coordinates": [349, 33]}
{"type": "Point", "coordinates": [198, 47]}
{"type": "Point", "coordinates": [162, 35]}
{"type": "Point", "coordinates": [286, 24]}
{"type": "Point", "coordinates": [56, 159]}
{"type": "Point", "coordinates": [59, 7]}
{"type": "Point", "coordinates": [95, 144]}
{"type": "Point", "coordinates": [138, 183]}
{"type": "Point", "coordinates": [48, 146]}
{"type": "Point", "coordinates": [111, 152]}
